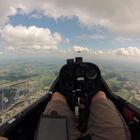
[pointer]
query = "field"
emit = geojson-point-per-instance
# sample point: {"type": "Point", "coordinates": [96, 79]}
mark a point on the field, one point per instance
{"type": "Point", "coordinates": [23, 83]}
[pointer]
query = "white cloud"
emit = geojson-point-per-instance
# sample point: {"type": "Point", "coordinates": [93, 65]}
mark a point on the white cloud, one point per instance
{"type": "Point", "coordinates": [93, 37]}
{"type": "Point", "coordinates": [1, 53]}
{"type": "Point", "coordinates": [80, 49]}
{"type": "Point", "coordinates": [22, 37]}
{"type": "Point", "coordinates": [11, 48]}
{"type": "Point", "coordinates": [99, 52]}
{"type": "Point", "coordinates": [35, 16]}
{"type": "Point", "coordinates": [118, 16]}
{"type": "Point", "coordinates": [9, 8]}
{"type": "Point", "coordinates": [130, 51]}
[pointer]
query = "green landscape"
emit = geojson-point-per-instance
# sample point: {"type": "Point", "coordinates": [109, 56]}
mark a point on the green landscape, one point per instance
{"type": "Point", "coordinates": [125, 84]}
{"type": "Point", "coordinates": [20, 82]}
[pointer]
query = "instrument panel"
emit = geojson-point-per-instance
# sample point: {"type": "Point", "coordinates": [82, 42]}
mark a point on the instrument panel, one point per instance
{"type": "Point", "coordinates": [79, 79]}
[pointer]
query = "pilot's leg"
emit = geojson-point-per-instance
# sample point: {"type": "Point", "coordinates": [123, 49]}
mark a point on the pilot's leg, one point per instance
{"type": "Point", "coordinates": [105, 122]}
{"type": "Point", "coordinates": [58, 103]}
{"type": "Point", "coordinates": [3, 138]}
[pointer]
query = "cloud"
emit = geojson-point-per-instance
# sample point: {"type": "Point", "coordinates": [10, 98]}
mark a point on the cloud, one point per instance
{"type": "Point", "coordinates": [34, 38]}
{"type": "Point", "coordinates": [8, 8]}
{"type": "Point", "coordinates": [35, 16]}
{"type": "Point", "coordinates": [11, 48]}
{"type": "Point", "coordinates": [80, 49]}
{"type": "Point", "coordinates": [1, 53]}
{"type": "Point", "coordinates": [117, 16]}
{"type": "Point", "coordinates": [93, 37]}
{"type": "Point", "coordinates": [130, 51]}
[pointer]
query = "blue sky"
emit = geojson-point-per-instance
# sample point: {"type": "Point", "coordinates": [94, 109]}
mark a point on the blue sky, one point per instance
{"type": "Point", "coordinates": [71, 29]}
{"type": "Point", "coordinates": [94, 28]}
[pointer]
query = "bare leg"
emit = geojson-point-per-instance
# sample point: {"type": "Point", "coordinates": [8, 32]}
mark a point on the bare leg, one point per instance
{"type": "Point", "coordinates": [105, 122]}
{"type": "Point", "coordinates": [59, 104]}
{"type": "Point", "coordinates": [3, 138]}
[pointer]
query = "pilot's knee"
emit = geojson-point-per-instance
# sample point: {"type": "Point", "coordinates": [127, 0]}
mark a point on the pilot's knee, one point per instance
{"type": "Point", "coordinates": [58, 96]}
{"type": "Point", "coordinates": [3, 138]}
{"type": "Point", "coordinates": [99, 95]}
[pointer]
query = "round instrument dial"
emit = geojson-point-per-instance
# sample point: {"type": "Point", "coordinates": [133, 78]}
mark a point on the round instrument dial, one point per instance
{"type": "Point", "coordinates": [91, 74]}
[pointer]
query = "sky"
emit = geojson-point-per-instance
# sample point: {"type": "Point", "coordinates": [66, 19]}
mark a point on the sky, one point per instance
{"type": "Point", "coordinates": [62, 27]}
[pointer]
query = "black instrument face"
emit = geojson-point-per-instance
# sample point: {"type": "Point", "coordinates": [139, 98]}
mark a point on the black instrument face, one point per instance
{"type": "Point", "coordinates": [79, 79]}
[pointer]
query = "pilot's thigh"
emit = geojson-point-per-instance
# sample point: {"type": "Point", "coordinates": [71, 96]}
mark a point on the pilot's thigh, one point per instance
{"type": "Point", "coordinates": [106, 123]}
{"type": "Point", "coordinates": [58, 106]}
{"type": "Point", "coordinates": [63, 109]}
{"type": "Point", "coordinates": [3, 138]}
